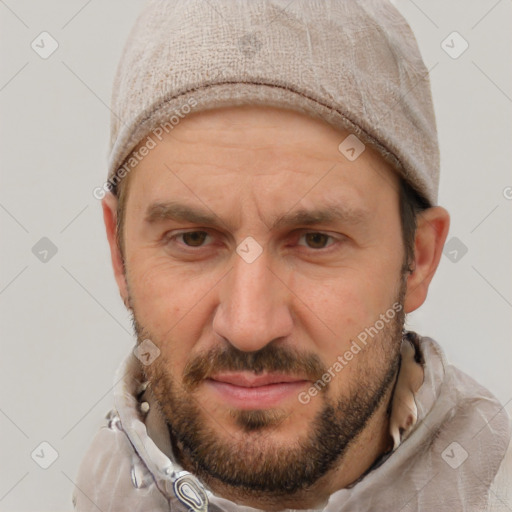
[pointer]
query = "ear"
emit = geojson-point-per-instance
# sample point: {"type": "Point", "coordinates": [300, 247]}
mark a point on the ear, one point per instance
{"type": "Point", "coordinates": [109, 205]}
{"type": "Point", "coordinates": [431, 232]}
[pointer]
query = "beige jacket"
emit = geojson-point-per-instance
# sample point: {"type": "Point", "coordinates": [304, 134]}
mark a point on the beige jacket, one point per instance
{"type": "Point", "coordinates": [456, 454]}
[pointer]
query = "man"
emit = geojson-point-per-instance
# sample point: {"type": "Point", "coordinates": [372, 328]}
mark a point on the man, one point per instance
{"type": "Point", "coordinates": [271, 213]}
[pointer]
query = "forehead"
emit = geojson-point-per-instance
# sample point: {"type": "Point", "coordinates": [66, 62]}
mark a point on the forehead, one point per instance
{"type": "Point", "coordinates": [267, 155]}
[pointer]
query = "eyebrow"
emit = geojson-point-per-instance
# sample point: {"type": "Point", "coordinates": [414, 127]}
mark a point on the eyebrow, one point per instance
{"type": "Point", "coordinates": [329, 214]}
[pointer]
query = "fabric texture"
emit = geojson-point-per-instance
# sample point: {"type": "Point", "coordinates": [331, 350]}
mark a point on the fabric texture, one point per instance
{"type": "Point", "coordinates": [354, 64]}
{"type": "Point", "coordinates": [452, 455]}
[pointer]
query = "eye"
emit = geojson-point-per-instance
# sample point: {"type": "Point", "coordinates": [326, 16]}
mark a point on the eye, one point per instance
{"type": "Point", "coordinates": [191, 238]}
{"type": "Point", "coordinates": [316, 240]}
{"type": "Point", "coordinates": [196, 239]}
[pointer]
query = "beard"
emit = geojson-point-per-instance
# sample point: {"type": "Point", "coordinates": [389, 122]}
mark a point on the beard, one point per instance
{"type": "Point", "coordinates": [253, 461]}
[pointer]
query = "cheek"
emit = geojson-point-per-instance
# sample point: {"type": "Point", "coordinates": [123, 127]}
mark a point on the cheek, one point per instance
{"type": "Point", "coordinates": [170, 304]}
{"type": "Point", "coordinates": [338, 309]}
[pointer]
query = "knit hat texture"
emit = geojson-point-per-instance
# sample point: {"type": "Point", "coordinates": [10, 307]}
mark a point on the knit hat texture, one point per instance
{"type": "Point", "coordinates": [354, 64]}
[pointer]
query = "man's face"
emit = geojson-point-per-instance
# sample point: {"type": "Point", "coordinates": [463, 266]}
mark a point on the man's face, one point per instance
{"type": "Point", "coordinates": [256, 298]}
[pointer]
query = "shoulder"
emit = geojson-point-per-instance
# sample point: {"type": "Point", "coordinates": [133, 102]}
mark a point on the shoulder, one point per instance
{"type": "Point", "coordinates": [501, 489]}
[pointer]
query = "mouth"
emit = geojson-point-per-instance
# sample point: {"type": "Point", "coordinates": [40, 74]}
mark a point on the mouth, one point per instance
{"type": "Point", "coordinates": [246, 391]}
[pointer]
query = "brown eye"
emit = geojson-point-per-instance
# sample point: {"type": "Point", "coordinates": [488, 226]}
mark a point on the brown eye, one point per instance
{"type": "Point", "coordinates": [194, 238]}
{"type": "Point", "coordinates": [317, 240]}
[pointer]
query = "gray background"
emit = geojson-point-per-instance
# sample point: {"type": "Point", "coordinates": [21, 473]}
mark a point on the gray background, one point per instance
{"type": "Point", "coordinates": [64, 329]}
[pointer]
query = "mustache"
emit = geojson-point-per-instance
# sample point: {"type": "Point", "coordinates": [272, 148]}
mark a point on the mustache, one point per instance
{"type": "Point", "coordinates": [270, 358]}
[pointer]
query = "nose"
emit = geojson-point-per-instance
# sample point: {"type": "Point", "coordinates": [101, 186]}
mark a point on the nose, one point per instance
{"type": "Point", "coordinates": [253, 305]}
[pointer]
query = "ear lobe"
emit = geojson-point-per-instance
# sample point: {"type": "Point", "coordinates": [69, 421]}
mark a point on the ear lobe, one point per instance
{"type": "Point", "coordinates": [432, 229]}
{"type": "Point", "coordinates": [109, 206]}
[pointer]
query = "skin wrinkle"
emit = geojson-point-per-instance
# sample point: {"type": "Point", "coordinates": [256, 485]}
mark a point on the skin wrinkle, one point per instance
{"type": "Point", "coordinates": [290, 310]}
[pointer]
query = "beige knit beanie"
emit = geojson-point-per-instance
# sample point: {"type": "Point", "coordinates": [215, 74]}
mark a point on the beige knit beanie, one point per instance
{"type": "Point", "coordinates": [354, 64]}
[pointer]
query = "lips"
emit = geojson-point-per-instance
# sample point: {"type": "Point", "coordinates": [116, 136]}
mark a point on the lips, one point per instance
{"type": "Point", "coordinates": [249, 380]}
{"type": "Point", "coordinates": [245, 390]}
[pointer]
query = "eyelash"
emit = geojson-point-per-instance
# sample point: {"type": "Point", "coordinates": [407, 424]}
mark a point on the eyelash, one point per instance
{"type": "Point", "coordinates": [174, 237]}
